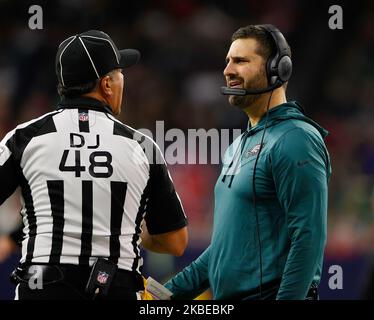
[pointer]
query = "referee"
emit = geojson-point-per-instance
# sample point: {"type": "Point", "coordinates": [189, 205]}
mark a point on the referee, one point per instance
{"type": "Point", "coordinates": [92, 187]}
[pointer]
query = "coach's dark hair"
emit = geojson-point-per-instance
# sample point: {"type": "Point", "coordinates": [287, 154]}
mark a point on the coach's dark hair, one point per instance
{"type": "Point", "coordinates": [266, 43]}
{"type": "Point", "coordinates": [76, 91]}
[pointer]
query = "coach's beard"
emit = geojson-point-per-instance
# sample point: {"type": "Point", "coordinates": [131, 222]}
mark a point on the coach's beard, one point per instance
{"type": "Point", "coordinates": [244, 102]}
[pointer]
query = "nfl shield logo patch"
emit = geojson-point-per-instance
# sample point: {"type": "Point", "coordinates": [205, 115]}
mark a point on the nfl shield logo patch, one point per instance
{"type": "Point", "coordinates": [83, 116]}
{"type": "Point", "coordinates": [102, 277]}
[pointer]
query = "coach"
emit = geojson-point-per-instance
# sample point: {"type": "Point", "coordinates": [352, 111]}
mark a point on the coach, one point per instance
{"type": "Point", "coordinates": [270, 210]}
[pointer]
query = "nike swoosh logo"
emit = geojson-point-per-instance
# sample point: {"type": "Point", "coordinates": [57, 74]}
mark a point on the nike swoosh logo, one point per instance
{"type": "Point", "coordinates": [302, 163]}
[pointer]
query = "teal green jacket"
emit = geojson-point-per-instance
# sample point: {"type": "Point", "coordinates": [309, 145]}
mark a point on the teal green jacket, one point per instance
{"type": "Point", "coordinates": [276, 239]}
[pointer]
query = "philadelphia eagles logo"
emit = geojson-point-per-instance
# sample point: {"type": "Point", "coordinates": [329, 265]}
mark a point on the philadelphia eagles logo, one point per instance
{"type": "Point", "coordinates": [253, 151]}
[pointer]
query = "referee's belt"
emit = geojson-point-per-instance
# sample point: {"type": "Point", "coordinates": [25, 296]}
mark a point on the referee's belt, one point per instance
{"type": "Point", "coordinates": [76, 275]}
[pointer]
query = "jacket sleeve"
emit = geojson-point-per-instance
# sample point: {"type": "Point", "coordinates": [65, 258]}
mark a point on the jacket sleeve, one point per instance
{"type": "Point", "coordinates": [300, 165]}
{"type": "Point", "coordinates": [192, 280]}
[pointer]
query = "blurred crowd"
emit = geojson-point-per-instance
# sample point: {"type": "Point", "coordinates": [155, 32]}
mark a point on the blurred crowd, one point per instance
{"type": "Point", "coordinates": [183, 46]}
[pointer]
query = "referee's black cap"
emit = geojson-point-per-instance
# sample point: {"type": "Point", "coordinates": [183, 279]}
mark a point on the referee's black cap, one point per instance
{"type": "Point", "coordinates": [87, 56]}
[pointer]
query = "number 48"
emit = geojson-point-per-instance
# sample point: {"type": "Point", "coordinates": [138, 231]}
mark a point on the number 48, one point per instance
{"type": "Point", "coordinates": [94, 163]}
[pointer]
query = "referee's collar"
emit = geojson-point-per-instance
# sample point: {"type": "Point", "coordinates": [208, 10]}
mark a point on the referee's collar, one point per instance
{"type": "Point", "coordinates": [84, 103]}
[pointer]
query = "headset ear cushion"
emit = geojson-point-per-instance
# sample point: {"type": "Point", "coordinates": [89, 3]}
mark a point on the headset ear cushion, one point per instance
{"type": "Point", "coordinates": [271, 70]}
{"type": "Point", "coordinates": [284, 68]}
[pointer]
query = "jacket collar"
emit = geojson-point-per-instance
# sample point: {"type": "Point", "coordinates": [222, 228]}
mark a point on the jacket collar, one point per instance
{"type": "Point", "coordinates": [85, 103]}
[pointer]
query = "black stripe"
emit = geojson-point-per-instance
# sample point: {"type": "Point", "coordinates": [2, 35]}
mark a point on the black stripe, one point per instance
{"type": "Point", "coordinates": [56, 196]}
{"type": "Point", "coordinates": [87, 216]}
{"type": "Point", "coordinates": [10, 175]}
{"type": "Point", "coordinates": [122, 130]}
{"type": "Point", "coordinates": [118, 195]}
{"type": "Point", "coordinates": [17, 144]}
{"type": "Point", "coordinates": [21, 137]}
{"type": "Point", "coordinates": [138, 221]}
{"type": "Point", "coordinates": [84, 125]}
{"type": "Point", "coordinates": [47, 127]}
{"type": "Point", "coordinates": [31, 219]}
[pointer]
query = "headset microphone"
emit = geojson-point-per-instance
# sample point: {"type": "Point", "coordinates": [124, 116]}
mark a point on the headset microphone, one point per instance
{"type": "Point", "coordinates": [244, 92]}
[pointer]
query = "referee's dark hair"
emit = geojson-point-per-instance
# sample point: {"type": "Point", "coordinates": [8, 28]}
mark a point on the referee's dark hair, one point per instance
{"type": "Point", "coordinates": [79, 90]}
{"type": "Point", "coordinates": [76, 91]}
{"type": "Point", "coordinates": [266, 47]}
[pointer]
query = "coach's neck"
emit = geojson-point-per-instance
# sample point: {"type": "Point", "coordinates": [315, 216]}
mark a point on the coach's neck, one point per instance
{"type": "Point", "coordinates": [258, 108]}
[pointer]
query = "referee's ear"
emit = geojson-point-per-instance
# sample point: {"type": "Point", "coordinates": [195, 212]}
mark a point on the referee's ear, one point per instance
{"type": "Point", "coordinates": [105, 86]}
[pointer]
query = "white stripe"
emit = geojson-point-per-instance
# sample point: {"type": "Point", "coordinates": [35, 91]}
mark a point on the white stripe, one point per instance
{"type": "Point", "coordinates": [62, 78]}
{"type": "Point", "coordinates": [5, 154]}
{"type": "Point", "coordinates": [61, 44]}
{"type": "Point", "coordinates": [16, 297]}
{"type": "Point", "coordinates": [111, 44]}
{"type": "Point", "coordinates": [93, 65]}
{"type": "Point", "coordinates": [179, 198]}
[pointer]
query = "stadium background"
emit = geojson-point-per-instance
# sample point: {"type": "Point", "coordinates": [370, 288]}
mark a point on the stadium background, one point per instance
{"type": "Point", "coordinates": [183, 46]}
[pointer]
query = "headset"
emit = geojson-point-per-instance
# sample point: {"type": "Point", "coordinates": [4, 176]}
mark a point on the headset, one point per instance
{"type": "Point", "coordinates": [278, 71]}
{"type": "Point", "coordinates": [278, 65]}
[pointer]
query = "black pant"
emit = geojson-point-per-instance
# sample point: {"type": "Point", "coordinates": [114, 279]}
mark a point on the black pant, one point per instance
{"type": "Point", "coordinates": [68, 282]}
{"type": "Point", "coordinates": [62, 291]}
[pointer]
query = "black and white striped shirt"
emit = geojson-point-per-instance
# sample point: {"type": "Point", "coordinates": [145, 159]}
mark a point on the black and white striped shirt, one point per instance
{"type": "Point", "coordinates": [87, 181]}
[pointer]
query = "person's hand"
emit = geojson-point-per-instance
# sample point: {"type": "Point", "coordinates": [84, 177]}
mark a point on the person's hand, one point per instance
{"type": "Point", "coordinates": [7, 247]}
